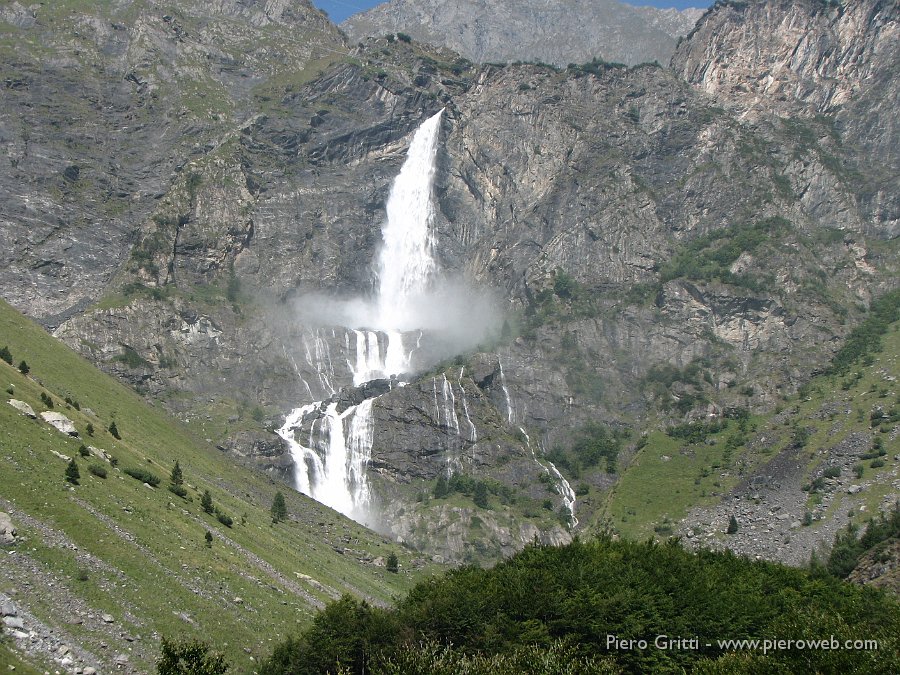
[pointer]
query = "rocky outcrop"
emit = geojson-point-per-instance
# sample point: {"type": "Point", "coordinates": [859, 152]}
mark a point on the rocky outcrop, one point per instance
{"type": "Point", "coordinates": [23, 408]}
{"type": "Point", "coordinates": [559, 32]}
{"type": "Point", "coordinates": [60, 422]}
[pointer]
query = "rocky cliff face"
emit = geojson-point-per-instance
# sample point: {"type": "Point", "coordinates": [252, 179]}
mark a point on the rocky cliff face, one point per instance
{"type": "Point", "coordinates": [559, 32]}
{"type": "Point", "coordinates": [806, 59]}
{"type": "Point", "coordinates": [659, 254]}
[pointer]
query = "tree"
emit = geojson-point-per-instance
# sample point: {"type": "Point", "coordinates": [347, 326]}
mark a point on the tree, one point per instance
{"type": "Point", "coordinates": [176, 485]}
{"type": "Point", "coordinates": [90, 429]}
{"type": "Point", "coordinates": [190, 658]}
{"type": "Point", "coordinates": [23, 367]}
{"type": "Point", "coordinates": [5, 354]}
{"type": "Point", "coordinates": [208, 538]}
{"type": "Point", "coordinates": [114, 430]}
{"type": "Point", "coordinates": [72, 474]}
{"type": "Point", "coordinates": [480, 497]}
{"type": "Point", "coordinates": [206, 502]}
{"type": "Point", "coordinates": [441, 488]}
{"type": "Point", "coordinates": [393, 565]}
{"type": "Point", "coordinates": [279, 508]}
{"type": "Point", "coordinates": [732, 525]}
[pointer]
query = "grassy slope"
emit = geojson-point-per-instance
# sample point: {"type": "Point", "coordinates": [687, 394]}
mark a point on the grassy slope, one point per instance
{"type": "Point", "coordinates": [668, 476]}
{"type": "Point", "coordinates": [151, 541]}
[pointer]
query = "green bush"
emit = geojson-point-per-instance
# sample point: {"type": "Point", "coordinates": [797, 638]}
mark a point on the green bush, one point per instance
{"type": "Point", "coordinates": [144, 476]}
{"type": "Point", "coordinates": [23, 368]}
{"type": "Point", "coordinates": [189, 658]}
{"type": "Point", "coordinates": [832, 472]}
{"type": "Point", "coordinates": [547, 597]}
{"type": "Point", "coordinates": [224, 518]}
{"type": "Point", "coordinates": [114, 431]}
{"type": "Point", "coordinates": [98, 470]}
{"type": "Point", "coordinates": [5, 354]}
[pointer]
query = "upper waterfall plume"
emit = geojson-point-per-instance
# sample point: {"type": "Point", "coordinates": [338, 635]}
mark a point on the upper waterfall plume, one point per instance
{"type": "Point", "coordinates": [405, 263]}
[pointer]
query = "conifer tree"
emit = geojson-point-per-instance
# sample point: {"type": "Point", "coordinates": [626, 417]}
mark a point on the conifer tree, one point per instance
{"type": "Point", "coordinates": [72, 474]}
{"type": "Point", "coordinates": [176, 478]}
{"type": "Point", "coordinates": [114, 430]}
{"type": "Point", "coordinates": [732, 525]}
{"type": "Point", "coordinates": [279, 508]}
{"type": "Point", "coordinates": [206, 502]}
{"type": "Point", "coordinates": [209, 539]}
{"type": "Point", "coordinates": [393, 565]}
{"type": "Point", "coordinates": [23, 367]}
{"type": "Point", "coordinates": [6, 355]}
{"type": "Point", "coordinates": [441, 489]}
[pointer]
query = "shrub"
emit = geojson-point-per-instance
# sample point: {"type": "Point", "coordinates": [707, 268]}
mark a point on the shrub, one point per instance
{"type": "Point", "coordinates": [224, 518]}
{"type": "Point", "coordinates": [83, 451]}
{"type": "Point", "coordinates": [733, 526]}
{"type": "Point", "coordinates": [877, 463]}
{"type": "Point", "coordinates": [23, 368]}
{"type": "Point", "coordinates": [403, 37]}
{"type": "Point", "coordinates": [46, 400]}
{"type": "Point", "coordinates": [858, 470]}
{"type": "Point", "coordinates": [89, 429]}
{"type": "Point", "coordinates": [144, 476]}
{"type": "Point", "coordinates": [832, 472]}
{"type": "Point", "coordinates": [114, 430]}
{"type": "Point", "coordinates": [807, 519]}
{"type": "Point", "coordinates": [6, 355]}
{"type": "Point", "coordinates": [190, 658]}
{"type": "Point", "coordinates": [209, 539]}
{"type": "Point", "coordinates": [98, 470]}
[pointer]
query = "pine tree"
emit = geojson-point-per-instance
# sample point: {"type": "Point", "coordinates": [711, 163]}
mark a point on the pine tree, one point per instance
{"type": "Point", "coordinates": [206, 502]}
{"type": "Point", "coordinates": [176, 485]}
{"type": "Point", "coordinates": [732, 525]}
{"type": "Point", "coordinates": [279, 508]}
{"type": "Point", "coordinates": [208, 538]}
{"type": "Point", "coordinates": [6, 355]}
{"type": "Point", "coordinates": [393, 565]}
{"type": "Point", "coordinates": [72, 474]}
{"type": "Point", "coordinates": [23, 367]}
{"type": "Point", "coordinates": [480, 497]}
{"type": "Point", "coordinates": [441, 489]}
{"type": "Point", "coordinates": [114, 430]}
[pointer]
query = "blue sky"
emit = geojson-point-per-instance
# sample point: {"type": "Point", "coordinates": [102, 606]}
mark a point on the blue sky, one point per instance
{"type": "Point", "coordinates": [339, 10]}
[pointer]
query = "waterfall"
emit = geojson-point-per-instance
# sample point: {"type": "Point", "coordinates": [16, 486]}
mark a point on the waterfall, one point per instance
{"type": "Point", "coordinates": [405, 264]}
{"type": "Point", "coordinates": [330, 463]}
{"type": "Point", "coordinates": [562, 485]}
{"type": "Point", "coordinates": [510, 416]}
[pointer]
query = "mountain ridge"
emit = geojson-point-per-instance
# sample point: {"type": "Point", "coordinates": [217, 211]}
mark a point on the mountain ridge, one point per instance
{"type": "Point", "coordinates": [560, 32]}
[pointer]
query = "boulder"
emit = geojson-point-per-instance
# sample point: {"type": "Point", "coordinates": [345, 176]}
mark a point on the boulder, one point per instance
{"type": "Point", "coordinates": [60, 422]}
{"type": "Point", "coordinates": [7, 530]}
{"type": "Point", "coordinates": [23, 408]}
